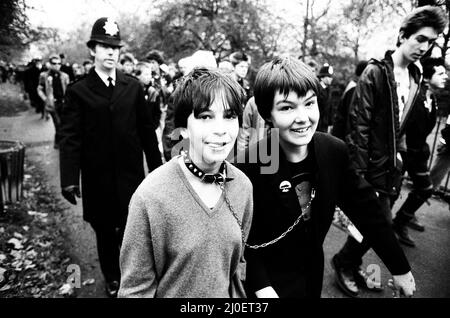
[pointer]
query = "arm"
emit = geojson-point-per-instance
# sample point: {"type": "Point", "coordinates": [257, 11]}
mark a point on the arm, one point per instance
{"type": "Point", "coordinates": [137, 266]}
{"type": "Point", "coordinates": [147, 133]}
{"type": "Point", "coordinates": [359, 202]}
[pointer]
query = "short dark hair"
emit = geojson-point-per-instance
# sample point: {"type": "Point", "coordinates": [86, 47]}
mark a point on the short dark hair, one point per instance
{"type": "Point", "coordinates": [238, 57]}
{"type": "Point", "coordinates": [155, 55]}
{"type": "Point", "coordinates": [87, 62]}
{"type": "Point", "coordinates": [429, 64]}
{"type": "Point", "coordinates": [426, 16]}
{"type": "Point", "coordinates": [126, 57]}
{"type": "Point", "coordinates": [284, 75]}
{"type": "Point", "coordinates": [197, 90]}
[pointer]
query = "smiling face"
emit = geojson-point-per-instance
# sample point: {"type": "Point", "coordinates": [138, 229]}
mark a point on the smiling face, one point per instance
{"type": "Point", "coordinates": [105, 57]}
{"type": "Point", "coordinates": [212, 134]}
{"type": "Point", "coordinates": [417, 44]}
{"type": "Point", "coordinates": [296, 118]}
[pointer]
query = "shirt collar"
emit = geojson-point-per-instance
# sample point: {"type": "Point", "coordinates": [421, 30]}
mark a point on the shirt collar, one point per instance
{"type": "Point", "coordinates": [104, 77]}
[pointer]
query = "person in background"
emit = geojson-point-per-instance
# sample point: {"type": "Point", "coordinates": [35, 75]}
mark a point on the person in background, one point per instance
{"type": "Point", "coordinates": [66, 67]}
{"type": "Point", "coordinates": [31, 82]}
{"type": "Point", "coordinates": [420, 125]}
{"type": "Point", "coordinates": [153, 98]}
{"type": "Point", "coordinates": [378, 115]}
{"type": "Point", "coordinates": [87, 65]}
{"type": "Point", "coordinates": [326, 78]}
{"type": "Point", "coordinates": [127, 63]}
{"type": "Point", "coordinates": [51, 89]}
{"type": "Point", "coordinates": [339, 129]}
{"type": "Point", "coordinates": [105, 130]}
{"type": "Point", "coordinates": [192, 246]}
{"type": "Point", "coordinates": [241, 63]}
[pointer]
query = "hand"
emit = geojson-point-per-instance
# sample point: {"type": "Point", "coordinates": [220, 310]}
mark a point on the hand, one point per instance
{"type": "Point", "coordinates": [267, 292]}
{"type": "Point", "coordinates": [404, 284]}
{"type": "Point", "coordinates": [70, 192]}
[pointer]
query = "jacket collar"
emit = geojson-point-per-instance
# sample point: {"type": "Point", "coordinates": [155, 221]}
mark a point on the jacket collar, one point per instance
{"type": "Point", "coordinates": [96, 84]}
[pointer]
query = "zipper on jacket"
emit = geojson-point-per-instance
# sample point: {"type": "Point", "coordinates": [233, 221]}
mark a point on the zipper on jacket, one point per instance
{"type": "Point", "coordinates": [393, 118]}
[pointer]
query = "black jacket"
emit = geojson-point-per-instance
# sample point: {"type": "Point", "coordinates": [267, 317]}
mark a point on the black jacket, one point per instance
{"type": "Point", "coordinates": [103, 138]}
{"type": "Point", "coordinates": [374, 131]}
{"type": "Point", "coordinates": [274, 211]}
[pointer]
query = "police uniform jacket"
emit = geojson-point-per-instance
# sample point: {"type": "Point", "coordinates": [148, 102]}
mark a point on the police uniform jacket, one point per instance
{"type": "Point", "coordinates": [335, 183]}
{"type": "Point", "coordinates": [102, 138]}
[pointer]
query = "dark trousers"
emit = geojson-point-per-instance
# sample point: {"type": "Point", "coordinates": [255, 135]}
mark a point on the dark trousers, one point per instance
{"type": "Point", "coordinates": [56, 118]}
{"type": "Point", "coordinates": [109, 240]}
{"type": "Point", "coordinates": [351, 254]}
{"type": "Point", "coordinates": [417, 167]}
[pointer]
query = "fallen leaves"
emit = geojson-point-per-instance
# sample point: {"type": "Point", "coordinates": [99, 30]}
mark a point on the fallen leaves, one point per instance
{"type": "Point", "coordinates": [33, 260]}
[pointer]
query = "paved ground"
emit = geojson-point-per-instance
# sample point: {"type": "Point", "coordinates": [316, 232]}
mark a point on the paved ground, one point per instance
{"type": "Point", "coordinates": [430, 259]}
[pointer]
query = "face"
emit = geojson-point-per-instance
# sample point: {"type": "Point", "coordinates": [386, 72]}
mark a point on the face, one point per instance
{"type": "Point", "coordinates": [327, 80]}
{"type": "Point", "coordinates": [212, 135]}
{"type": "Point", "coordinates": [128, 67]}
{"type": "Point", "coordinates": [414, 47]}
{"type": "Point", "coordinates": [296, 118]}
{"type": "Point", "coordinates": [105, 57]}
{"type": "Point", "coordinates": [439, 77]}
{"type": "Point", "coordinates": [146, 75]}
{"type": "Point", "coordinates": [87, 67]}
{"type": "Point", "coordinates": [241, 69]}
{"type": "Point", "coordinates": [55, 64]}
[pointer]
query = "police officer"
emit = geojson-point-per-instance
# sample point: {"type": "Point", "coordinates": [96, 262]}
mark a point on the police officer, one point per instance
{"type": "Point", "coordinates": [105, 126]}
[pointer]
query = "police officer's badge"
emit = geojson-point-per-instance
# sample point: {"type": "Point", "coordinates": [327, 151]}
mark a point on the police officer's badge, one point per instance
{"type": "Point", "coordinates": [111, 27]}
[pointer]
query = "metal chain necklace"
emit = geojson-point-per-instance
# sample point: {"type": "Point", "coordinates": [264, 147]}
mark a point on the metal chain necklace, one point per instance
{"type": "Point", "coordinates": [301, 216]}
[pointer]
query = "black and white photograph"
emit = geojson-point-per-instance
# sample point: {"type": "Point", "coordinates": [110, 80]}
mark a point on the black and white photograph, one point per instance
{"type": "Point", "coordinates": [223, 153]}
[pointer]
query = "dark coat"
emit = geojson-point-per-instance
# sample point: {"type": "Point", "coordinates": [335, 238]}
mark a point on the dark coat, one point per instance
{"type": "Point", "coordinates": [374, 131]}
{"type": "Point", "coordinates": [103, 138]}
{"type": "Point", "coordinates": [335, 183]}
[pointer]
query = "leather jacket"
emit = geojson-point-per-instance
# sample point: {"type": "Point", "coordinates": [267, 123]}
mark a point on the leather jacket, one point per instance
{"type": "Point", "coordinates": [374, 131]}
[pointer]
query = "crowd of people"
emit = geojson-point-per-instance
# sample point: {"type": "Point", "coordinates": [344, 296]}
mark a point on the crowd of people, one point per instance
{"type": "Point", "coordinates": [243, 177]}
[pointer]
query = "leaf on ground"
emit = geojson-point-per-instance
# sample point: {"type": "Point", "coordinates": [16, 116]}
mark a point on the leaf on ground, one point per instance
{"type": "Point", "coordinates": [5, 288]}
{"type": "Point", "coordinates": [89, 281]}
{"type": "Point", "coordinates": [2, 257]}
{"type": "Point", "coordinates": [18, 235]}
{"type": "Point", "coordinates": [17, 244]}
{"type": "Point", "coordinates": [2, 274]}
{"type": "Point", "coordinates": [25, 228]}
{"type": "Point", "coordinates": [2, 230]}
{"type": "Point", "coordinates": [66, 290]}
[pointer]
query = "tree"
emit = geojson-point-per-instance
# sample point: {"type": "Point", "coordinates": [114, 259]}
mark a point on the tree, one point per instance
{"type": "Point", "coordinates": [220, 26]}
{"type": "Point", "coordinates": [14, 26]}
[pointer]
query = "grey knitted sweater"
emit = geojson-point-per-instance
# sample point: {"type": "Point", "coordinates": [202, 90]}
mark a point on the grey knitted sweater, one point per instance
{"type": "Point", "coordinates": [175, 246]}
